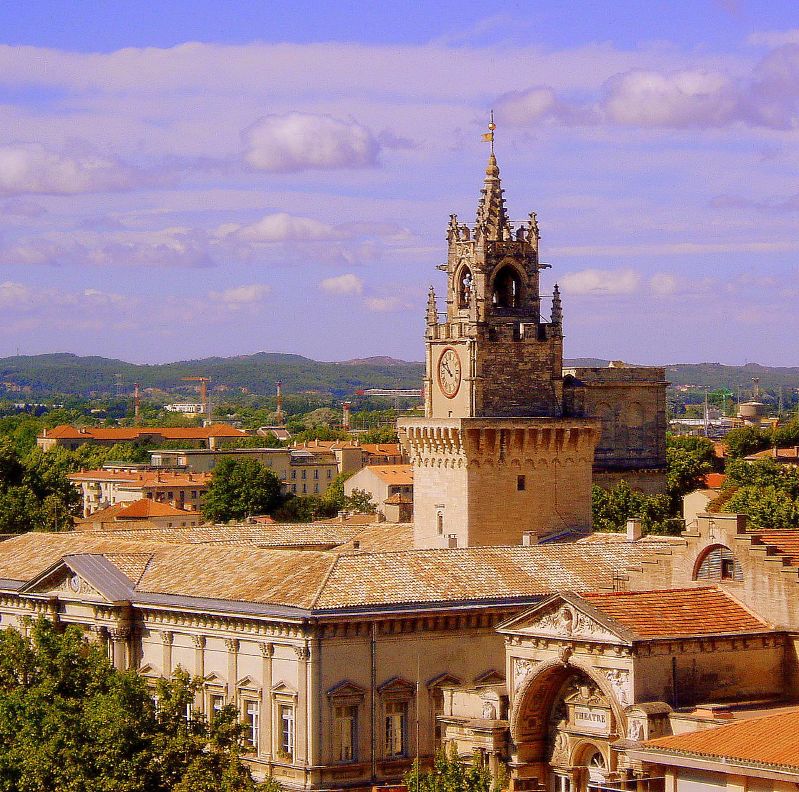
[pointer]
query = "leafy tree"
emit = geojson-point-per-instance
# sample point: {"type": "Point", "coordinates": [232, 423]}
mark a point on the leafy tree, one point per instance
{"type": "Point", "coordinates": [766, 507]}
{"type": "Point", "coordinates": [70, 721]}
{"type": "Point", "coordinates": [612, 508]}
{"type": "Point", "coordinates": [360, 502]}
{"type": "Point", "coordinates": [448, 774]}
{"type": "Point", "coordinates": [305, 508]}
{"type": "Point", "coordinates": [763, 473]}
{"type": "Point", "coordinates": [240, 488]}
{"type": "Point", "coordinates": [746, 440]}
{"type": "Point", "coordinates": [687, 461]}
{"type": "Point", "coordinates": [334, 496]}
{"type": "Point", "coordinates": [380, 434]}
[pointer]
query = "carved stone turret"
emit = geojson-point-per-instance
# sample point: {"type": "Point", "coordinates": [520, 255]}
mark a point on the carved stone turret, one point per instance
{"type": "Point", "coordinates": [557, 310]}
{"type": "Point", "coordinates": [492, 218]}
{"type": "Point", "coordinates": [432, 314]}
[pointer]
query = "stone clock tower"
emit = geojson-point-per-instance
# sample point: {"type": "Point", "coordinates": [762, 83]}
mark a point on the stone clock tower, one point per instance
{"type": "Point", "coordinates": [494, 460]}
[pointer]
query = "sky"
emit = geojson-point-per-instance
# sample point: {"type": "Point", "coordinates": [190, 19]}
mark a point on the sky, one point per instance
{"type": "Point", "coordinates": [186, 179]}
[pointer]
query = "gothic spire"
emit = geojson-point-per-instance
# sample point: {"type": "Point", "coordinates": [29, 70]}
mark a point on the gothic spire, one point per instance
{"type": "Point", "coordinates": [492, 220]}
{"type": "Point", "coordinates": [432, 315]}
{"type": "Point", "coordinates": [557, 308]}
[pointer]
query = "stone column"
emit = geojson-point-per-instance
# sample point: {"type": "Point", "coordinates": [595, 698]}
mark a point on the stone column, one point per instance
{"type": "Point", "coordinates": [120, 650]}
{"type": "Point", "coordinates": [167, 638]}
{"type": "Point", "coordinates": [232, 645]}
{"type": "Point", "coordinates": [199, 667]}
{"type": "Point", "coordinates": [301, 715]}
{"type": "Point", "coordinates": [267, 711]}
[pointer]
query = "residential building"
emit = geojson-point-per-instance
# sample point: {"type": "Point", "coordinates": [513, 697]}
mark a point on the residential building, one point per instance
{"type": "Point", "coordinates": [389, 486]}
{"type": "Point", "coordinates": [142, 514]}
{"type": "Point", "coordinates": [72, 438]}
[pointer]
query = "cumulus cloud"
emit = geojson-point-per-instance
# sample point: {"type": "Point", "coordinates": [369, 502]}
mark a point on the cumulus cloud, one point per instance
{"type": "Point", "coordinates": [283, 227]}
{"type": "Point", "coordinates": [342, 284]}
{"type": "Point", "coordinates": [32, 168]}
{"type": "Point", "coordinates": [239, 296]}
{"type": "Point", "coordinates": [385, 304]}
{"type": "Point", "coordinates": [663, 283]}
{"type": "Point", "coordinates": [303, 141]}
{"type": "Point", "coordinates": [597, 281]}
{"type": "Point", "coordinates": [168, 247]}
{"type": "Point", "coordinates": [518, 108]}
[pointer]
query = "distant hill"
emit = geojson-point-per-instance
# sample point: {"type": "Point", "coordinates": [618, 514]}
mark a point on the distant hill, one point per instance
{"type": "Point", "coordinates": [64, 373]}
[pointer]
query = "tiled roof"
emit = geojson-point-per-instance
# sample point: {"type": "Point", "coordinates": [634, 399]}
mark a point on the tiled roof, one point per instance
{"type": "Point", "coordinates": [714, 480]}
{"type": "Point", "coordinates": [145, 507]}
{"type": "Point", "coordinates": [769, 741]}
{"type": "Point", "coordinates": [677, 612]}
{"type": "Point", "coordinates": [393, 474]}
{"type": "Point", "coordinates": [349, 519]}
{"type": "Point", "coordinates": [101, 515]}
{"type": "Point", "coordinates": [134, 432]}
{"type": "Point", "coordinates": [398, 499]}
{"type": "Point", "coordinates": [785, 542]}
{"type": "Point", "coordinates": [785, 454]}
{"type": "Point", "coordinates": [146, 478]}
{"type": "Point", "coordinates": [382, 537]}
{"type": "Point", "coordinates": [382, 449]}
{"type": "Point", "coordinates": [317, 580]}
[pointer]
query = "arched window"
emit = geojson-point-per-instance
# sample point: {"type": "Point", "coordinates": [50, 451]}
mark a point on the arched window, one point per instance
{"type": "Point", "coordinates": [507, 288]}
{"type": "Point", "coordinates": [718, 563]}
{"type": "Point", "coordinates": [465, 288]}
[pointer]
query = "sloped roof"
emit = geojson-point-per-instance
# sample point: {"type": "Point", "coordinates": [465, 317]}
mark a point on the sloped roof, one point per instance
{"type": "Point", "coordinates": [146, 507]}
{"type": "Point", "coordinates": [677, 612]}
{"type": "Point", "coordinates": [123, 433]}
{"type": "Point", "coordinates": [771, 741]}
{"type": "Point", "coordinates": [330, 582]}
{"type": "Point", "coordinates": [393, 474]}
{"type": "Point", "coordinates": [785, 542]}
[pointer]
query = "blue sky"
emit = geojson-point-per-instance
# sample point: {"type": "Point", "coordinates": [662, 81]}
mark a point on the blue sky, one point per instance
{"type": "Point", "coordinates": [185, 179]}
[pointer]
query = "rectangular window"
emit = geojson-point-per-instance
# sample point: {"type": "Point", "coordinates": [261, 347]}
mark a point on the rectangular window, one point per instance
{"type": "Point", "coordinates": [293, 487]}
{"type": "Point", "coordinates": [189, 715]}
{"type": "Point", "coordinates": [294, 474]}
{"type": "Point", "coordinates": [344, 733]}
{"type": "Point", "coordinates": [316, 487]}
{"type": "Point", "coordinates": [217, 702]}
{"type": "Point", "coordinates": [304, 488]}
{"type": "Point", "coordinates": [251, 722]}
{"type": "Point", "coordinates": [727, 568]}
{"type": "Point", "coordinates": [287, 730]}
{"type": "Point", "coordinates": [316, 474]}
{"type": "Point", "coordinates": [304, 472]}
{"type": "Point", "coordinates": [330, 474]}
{"type": "Point", "coordinates": [521, 483]}
{"type": "Point", "coordinates": [396, 726]}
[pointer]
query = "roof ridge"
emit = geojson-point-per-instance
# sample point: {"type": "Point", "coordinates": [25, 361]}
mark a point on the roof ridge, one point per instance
{"type": "Point", "coordinates": [325, 579]}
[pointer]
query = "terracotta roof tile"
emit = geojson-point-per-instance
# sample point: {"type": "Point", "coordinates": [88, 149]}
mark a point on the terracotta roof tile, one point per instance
{"type": "Point", "coordinates": [677, 612]}
{"type": "Point", "coordinates": [123, 433]}
{"type": "Point", "coordinates": [145, 507]}
{"type": "Point", "coordinates": [714, 480]}
{"type": "Point", "coordinates": [393, 474]}
{"type": "Point", "coordinates": [325, 580]}
{"type": "Point", "coordinates": [770, 740]}
{"type": "Point", "coordinates": [785, 542]}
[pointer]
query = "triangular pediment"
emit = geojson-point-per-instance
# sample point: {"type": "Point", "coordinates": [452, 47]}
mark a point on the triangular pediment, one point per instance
{"type": "Point", "coordinates": [82, 577]}
{"type": "Point", "coordinates": [346, 689]}
{"type": "Point", "coordinates": [490, 677]}
{"type": "Point", "coordinates": [284, 687]}
{"type": "Point", "coordinates": [397, 686]}
{"type": "Point", "coordinates": [249, 683]}
{"type": "Point", "coordinates": [444, 680]}
{"type": "Point", "coordinates": [566, 617]}
{"type": "Point", "coordinates": [65, 583]}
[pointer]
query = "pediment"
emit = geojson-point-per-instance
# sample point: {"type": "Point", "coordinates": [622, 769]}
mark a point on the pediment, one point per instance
{"type": "Point", "coordinates": [149, 670]}
{"type": "Point", "coordinates": [284, 687]}
{"type": "Point", "coordinates": [566, 617]}
{"type": "Point", "coordinates": [214, 679]}
{"type": "Point", "coordinates": [64, 583]}
{"type": "Point", "coordinates": [249, 683]}
{"type": "Point", "coordinates": [444, 680]}
{"type": "Point", "coordinates": [397, 686]}
{"type": "Point", "coordinates": [346, 689]}
{"type": "Point", "coordinates": [490, 677]}
{"type": "Point", "coordinates": [82, 577]}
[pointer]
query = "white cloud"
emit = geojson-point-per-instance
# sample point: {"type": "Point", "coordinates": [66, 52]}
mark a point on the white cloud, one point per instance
{"type": "Point", "coordinates": [523, 107]}
{"type": "Point", "coordinates": [596, 281]}
{"type": "Point", "coordinates": [283, 227]}
{"type": "Point", "coordinates": [774, 38]}
{"type": "Point", "coordinates": [385, 304]}
{"type": "Point", "coordinates": [303, 141]}
{"type": "Point", "coordinates": [663, 283]}
{"type": "Point", "coordinates": [31, 168]}
{"type": "Point", "coordinates": [686, 98]}
{"type": "Point", "coordinates": [342, 284]}
{"type": "Point", "coordinates": [239, 296]}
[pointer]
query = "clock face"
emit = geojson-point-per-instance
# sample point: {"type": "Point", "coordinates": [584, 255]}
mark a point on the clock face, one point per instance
{"type": "Point", "coordinates": [449, 372]}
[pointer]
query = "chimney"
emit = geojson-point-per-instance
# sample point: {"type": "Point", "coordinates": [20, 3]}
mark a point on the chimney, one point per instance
{"type": "Point", "coordinates": [635, 529]}
{"type": "Point", "coordinates": [279, 411]}
{"type": "Point", "coordinates": [345, 415]}
{"type": "Point", "coordinates": [452, 541]}
{"type": "Point", "coordinates": [528, 539]}
{"type": "Point", "coordinates": [356, 544]}
{"type": "Point", "coordinates": [136, 404]}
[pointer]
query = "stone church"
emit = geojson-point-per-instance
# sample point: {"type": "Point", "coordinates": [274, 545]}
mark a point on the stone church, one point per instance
{"type": "Point", "coordinates": [511, 442]}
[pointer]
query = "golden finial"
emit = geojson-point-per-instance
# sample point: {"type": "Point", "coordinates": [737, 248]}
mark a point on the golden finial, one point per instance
{"type": "Point", "coordinates": [488, 137]}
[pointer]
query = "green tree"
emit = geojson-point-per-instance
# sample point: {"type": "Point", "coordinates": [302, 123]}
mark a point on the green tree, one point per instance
{"type": "Point", "coordinates": [359, 502]}
{"type": "Point", "coordinates": [687, 461]}
{"type": "Point", "coordinates": [767, 507]}
{"type": "Point", "coordinates": [240, 488]}
{"type": "Point", "coordinates": [448, 774]}
{"type": "Point", "coordinates": [612, 508]}
{"type": "Point", "coordinates": [70, 721]}
{"type": "Point", "coordinates": [334, 496]}
{"type": "Point", "coordinates": [746, 440]}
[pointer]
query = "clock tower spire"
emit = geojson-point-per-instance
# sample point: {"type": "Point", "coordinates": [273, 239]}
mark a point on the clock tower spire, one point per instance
{"type": "Point", "coordinates": [494, 460]}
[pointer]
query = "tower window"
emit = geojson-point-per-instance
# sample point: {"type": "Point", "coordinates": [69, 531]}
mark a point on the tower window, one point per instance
{"type": "Point", "coordinates": [521, 483]}
{"type": "Point", "coordinates": [507, 288]}
{"type": "Point", "coordinates": [465, 287]}
{"type": "Point", "coordinates": [440, 523]}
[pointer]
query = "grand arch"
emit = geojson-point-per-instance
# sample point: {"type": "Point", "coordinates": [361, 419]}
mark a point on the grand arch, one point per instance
{"type": "Point", "coordinates": [563, 721]}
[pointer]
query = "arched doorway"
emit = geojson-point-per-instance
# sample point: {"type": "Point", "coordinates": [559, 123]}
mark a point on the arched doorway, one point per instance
{"type": "Point", "coordinates": [563, 722]}
{"type": "Point", "coordinates": [507, 288]}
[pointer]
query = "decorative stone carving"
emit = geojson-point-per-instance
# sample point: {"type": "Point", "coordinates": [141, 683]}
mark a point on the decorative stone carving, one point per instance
{"type": "Point", "coordinates": [198, 641]}
{"type": "Point", "coordinates": [167, 637]}
{"type": "Point", "coordinates": [267, 649]}
{"type": "Point", "coordinates": [302, 652]}
{"type": "Point", "coordinates": [635, 730]}
{"type": "Point", "coordinates": [522, 668]}
{"type": "Point", "coordinates": [232, 644]}
{"type": "Point", "coordinates": [564, 653]}
{"type": "Point", "coordinates": [619, 679]}
{"type": "Point", "coordinates": [119, 633]}
{"type": "Point", "coordinates": [489, 710]}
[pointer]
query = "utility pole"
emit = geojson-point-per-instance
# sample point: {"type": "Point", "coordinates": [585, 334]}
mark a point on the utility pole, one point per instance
{"type": "Point", "coordinates": [206, 407]}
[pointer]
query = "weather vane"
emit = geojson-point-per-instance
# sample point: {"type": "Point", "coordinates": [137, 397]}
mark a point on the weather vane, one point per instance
{"type": "Point", "coordinates": [488, 137]}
